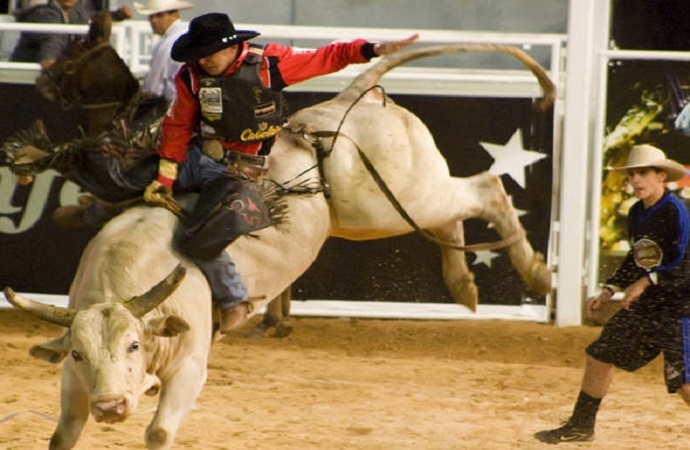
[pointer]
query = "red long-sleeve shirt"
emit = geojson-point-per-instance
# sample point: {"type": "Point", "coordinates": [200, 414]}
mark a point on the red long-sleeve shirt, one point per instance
{"type": "Point", "coordinates": [293, 64]}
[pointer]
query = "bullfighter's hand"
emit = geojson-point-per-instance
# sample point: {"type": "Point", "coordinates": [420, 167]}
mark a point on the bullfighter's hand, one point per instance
{"type": "Point", "coordinates": [633, 292]}
{"type": "Point", "coordinates": [384, 48]}
{"type": "Point", "coordinates": [593, 304]}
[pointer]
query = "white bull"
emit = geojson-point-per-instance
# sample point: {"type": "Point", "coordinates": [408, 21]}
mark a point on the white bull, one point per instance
{"type": "Point", "coordinates": [117, 351]}
{"type": "Point", "coordinates": [122, 342]}
{"type": "Point", "coordinates": [403, 152]}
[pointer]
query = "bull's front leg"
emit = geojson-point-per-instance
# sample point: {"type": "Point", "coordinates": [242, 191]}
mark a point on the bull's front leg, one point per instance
{"type": "Point", "coordinates": [177, 397]}
{"type": "Point", "coordinates": [74, 410]}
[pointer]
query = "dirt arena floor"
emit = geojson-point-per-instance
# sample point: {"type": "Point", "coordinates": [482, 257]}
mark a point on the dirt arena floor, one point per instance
{"type": "Point", "coordinates": [365, 384]}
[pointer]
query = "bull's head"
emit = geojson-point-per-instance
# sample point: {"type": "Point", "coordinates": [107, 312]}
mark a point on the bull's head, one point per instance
{"type": "Point", "coordinates": [107, 345]}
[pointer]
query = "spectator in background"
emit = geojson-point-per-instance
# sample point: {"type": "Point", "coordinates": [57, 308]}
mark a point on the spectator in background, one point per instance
{"type": "Point", "coordinates": [93, 6]}
{"type": "Point", "coordinates": [89, 6]}
{"type": "Point", "coordinates": [164, 17]}
{"type": "Point", "coordinates": [44, 48]}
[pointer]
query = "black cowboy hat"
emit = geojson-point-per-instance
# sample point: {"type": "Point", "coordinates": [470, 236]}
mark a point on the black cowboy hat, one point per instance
{"type": "Point", "coordinates": [207, 35]}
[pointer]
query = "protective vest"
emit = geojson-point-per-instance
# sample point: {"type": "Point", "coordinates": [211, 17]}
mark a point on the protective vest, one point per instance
{"type": "Point", "coordinates": [239, 107]}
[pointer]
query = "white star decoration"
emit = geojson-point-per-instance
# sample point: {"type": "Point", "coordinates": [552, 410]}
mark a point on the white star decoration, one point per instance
{"type": "Point", "coordinates": [485, 257]}
{"type": "Point", "coordinates": [520, 212]}
{"type": "Point", "coordinates": [511, 158]}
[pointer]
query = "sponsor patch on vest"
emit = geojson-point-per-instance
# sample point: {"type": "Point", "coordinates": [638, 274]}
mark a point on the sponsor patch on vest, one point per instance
{"type": "Point", "coordinates": [264, 109]}
{"type": "Point", "coordinates": [264, 132]}
{"type": "Point", "coordinates": [211, 102]}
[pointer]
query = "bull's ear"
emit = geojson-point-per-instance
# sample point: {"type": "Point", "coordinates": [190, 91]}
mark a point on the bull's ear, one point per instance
{"type": "Point", "coordinates": [52, 351]}
{"type": "Point", "coordinates": [168, 326]}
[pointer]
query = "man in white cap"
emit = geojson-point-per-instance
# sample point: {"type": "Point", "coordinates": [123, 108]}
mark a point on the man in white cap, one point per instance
{"type": "Point", "coordinates": [654, 277]}
{"type": "Point", "coordinates": [164, 17]}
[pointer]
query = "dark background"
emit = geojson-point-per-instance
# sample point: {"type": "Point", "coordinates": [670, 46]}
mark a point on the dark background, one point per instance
{"type": "Point", "coordinates": [648, 25]}
{"type": "Point", "coordinates": [408, 268]}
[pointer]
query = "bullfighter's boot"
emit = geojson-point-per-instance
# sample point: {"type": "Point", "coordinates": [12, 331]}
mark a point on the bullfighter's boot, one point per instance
{"type": "Point", "coordinates": [566, 433]}
{"type": "Point", "coordinates": [580, 426]}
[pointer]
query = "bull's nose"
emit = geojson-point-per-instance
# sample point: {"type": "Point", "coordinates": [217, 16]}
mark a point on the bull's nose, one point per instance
{"type": "Point", "coordinates": [110, 410]}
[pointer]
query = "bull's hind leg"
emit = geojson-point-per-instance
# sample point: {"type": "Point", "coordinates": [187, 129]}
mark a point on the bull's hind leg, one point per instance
{"type": "Point", "coordinates": [284, 326]}
{"type": "Point", "coordinates": [456, 274]}
{"type": "Point", "coordinates": [484, 197]}
{"type": "Point", "coordinates": [277, 315]}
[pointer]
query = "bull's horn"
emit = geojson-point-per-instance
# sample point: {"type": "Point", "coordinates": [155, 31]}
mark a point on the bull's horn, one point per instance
{"type": "Point", "coordinates": [142, 304]}
{"type": "Point", "coordinates": [50, 313]}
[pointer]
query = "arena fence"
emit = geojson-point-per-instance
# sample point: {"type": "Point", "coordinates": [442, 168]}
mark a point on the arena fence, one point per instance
{"type": "Point", "coordinates": [133, 40]}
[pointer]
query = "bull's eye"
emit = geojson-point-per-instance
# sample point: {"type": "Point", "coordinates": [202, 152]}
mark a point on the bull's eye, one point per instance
{"type": "Point", "coordinates": [134, 347]}
{"type": "Point", "coordinates": [77, 357]}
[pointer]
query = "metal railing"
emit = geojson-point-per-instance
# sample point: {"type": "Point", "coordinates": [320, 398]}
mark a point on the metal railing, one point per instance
{"type": "Point", "coordinates": [597, 152]}
{"type": "Point", "coordinates": [133, 40]}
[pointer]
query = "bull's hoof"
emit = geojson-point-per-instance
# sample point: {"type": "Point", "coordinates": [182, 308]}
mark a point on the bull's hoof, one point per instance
{"type": "Point", "coordinates": [258, 331]}
{"type": "Point", "coordinates": [539, 276]}
{"type": "Point", "coordinates": [465, 293]}
{"type": "Point", "coordinates": [58, 442]}
{"type": "Point", "coordinates": [157, 438]}
{"type": "Point", "coordinates": [283, 329]}
{"type": "Point", "coordinates": [471, 304]}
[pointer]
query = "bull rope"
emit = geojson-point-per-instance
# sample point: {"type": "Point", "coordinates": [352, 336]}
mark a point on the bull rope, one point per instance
{"type": "Point", "coordinates": [315, 137]}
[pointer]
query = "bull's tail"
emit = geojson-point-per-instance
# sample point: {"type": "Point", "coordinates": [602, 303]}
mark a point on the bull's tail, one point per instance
{"type": "Point", "coordinates": [371, 76]}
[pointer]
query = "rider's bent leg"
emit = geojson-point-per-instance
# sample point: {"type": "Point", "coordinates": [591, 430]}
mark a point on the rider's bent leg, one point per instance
{"type": "Point", "coordinates": [227, 289]}
{"type": "Point", "coordinates": [205, 238]}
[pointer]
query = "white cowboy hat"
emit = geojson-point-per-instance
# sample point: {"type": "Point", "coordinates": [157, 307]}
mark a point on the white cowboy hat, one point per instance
{"type": "Point", "coordinates": [157, 6]}
{"type": "Point", "coordinates": [646, 155]}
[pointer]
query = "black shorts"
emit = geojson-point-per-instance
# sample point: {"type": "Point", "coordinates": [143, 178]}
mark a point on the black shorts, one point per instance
{"type": "Point", "coordinates": [633, 337]}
